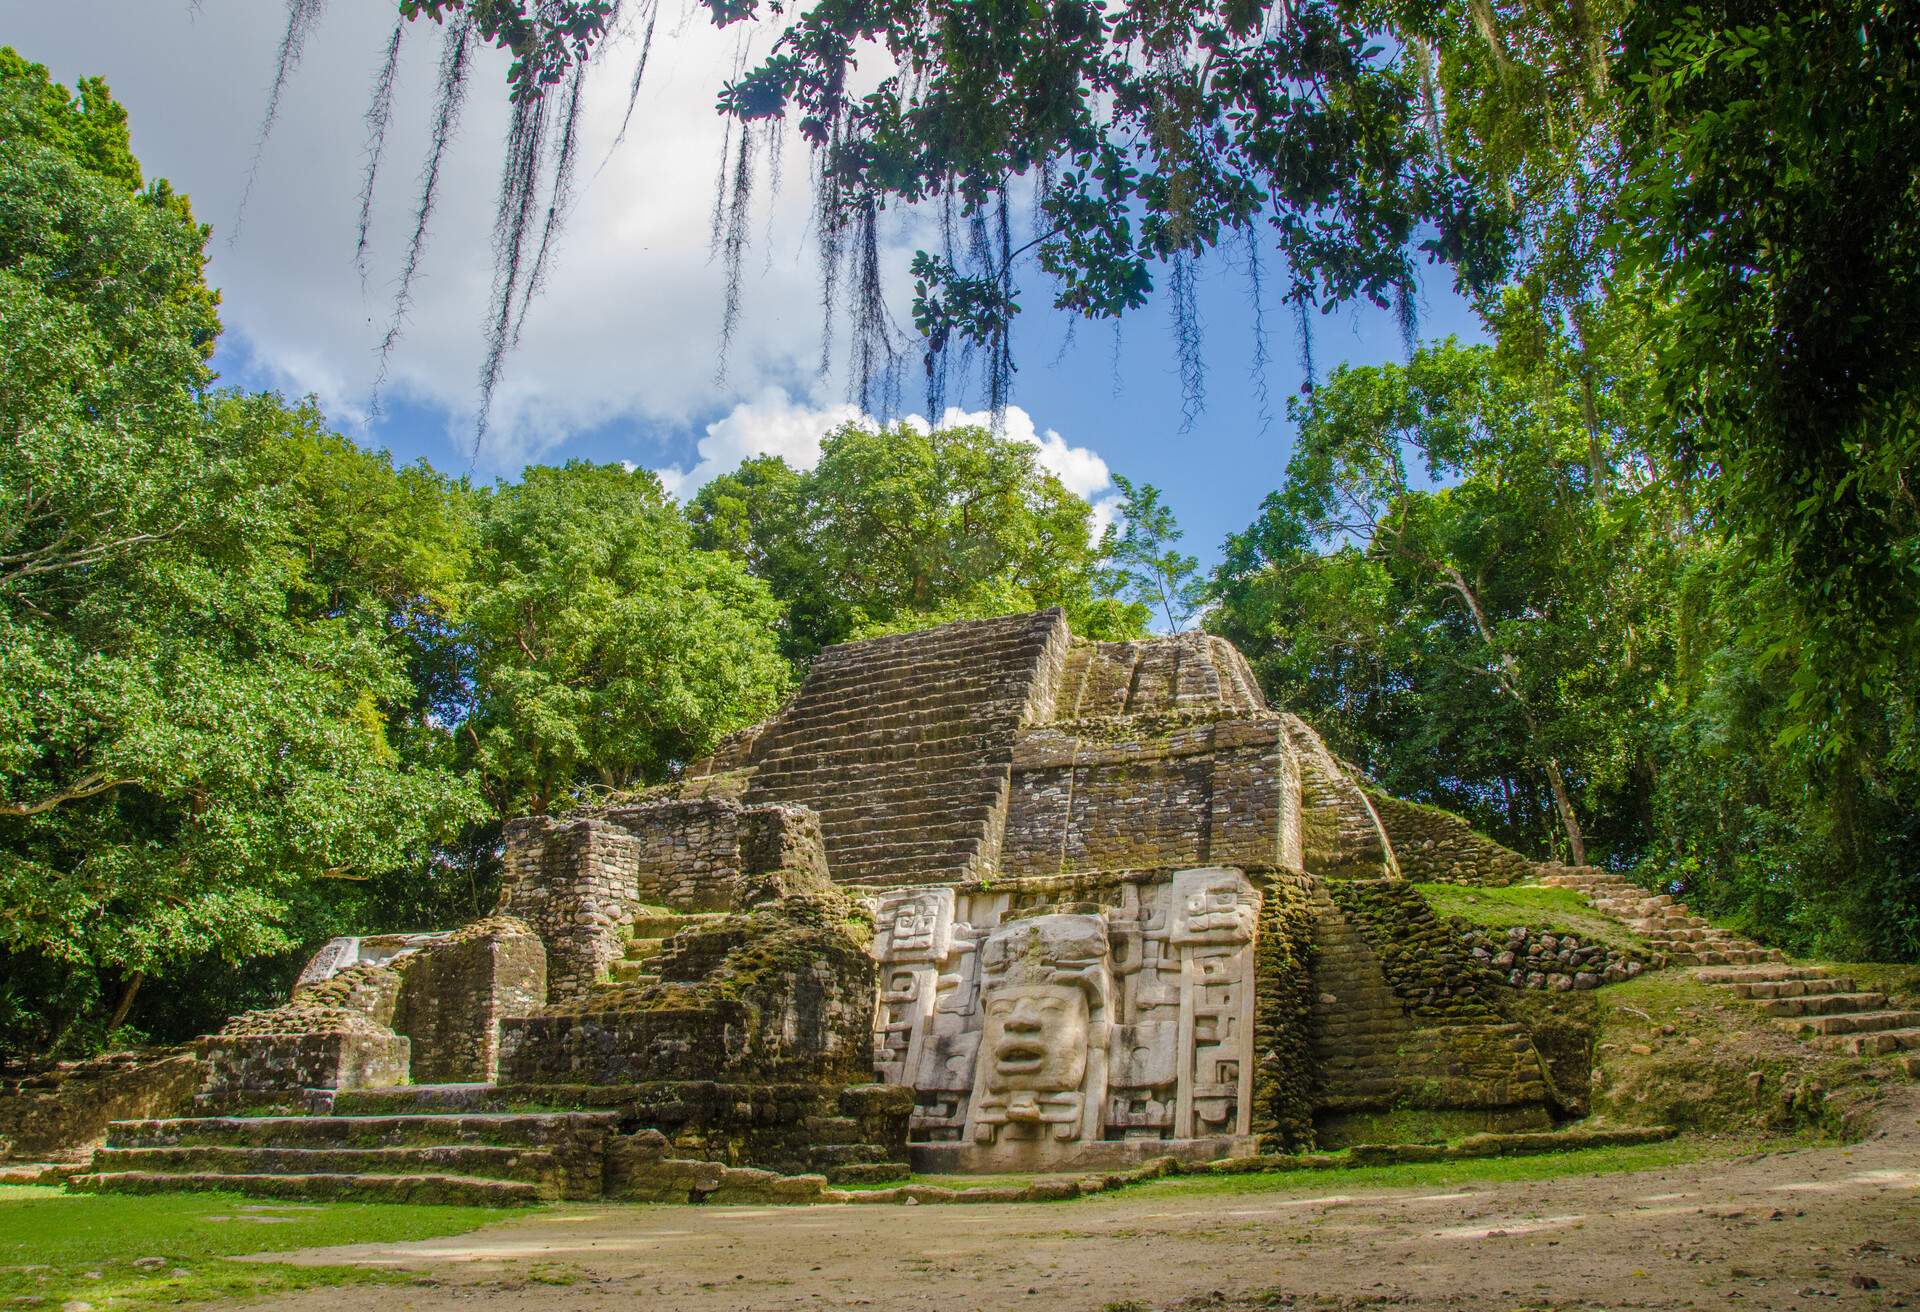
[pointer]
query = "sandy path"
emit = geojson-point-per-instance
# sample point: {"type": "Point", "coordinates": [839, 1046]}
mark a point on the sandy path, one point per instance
{"type": "Point", "coordinates": [1819, 1228]}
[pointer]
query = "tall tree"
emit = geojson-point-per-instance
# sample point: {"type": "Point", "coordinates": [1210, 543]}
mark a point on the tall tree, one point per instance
{"type": "Point", "coordinates": [202, 703]}
{"type": "Point", "coordinates": [899, 528]}
{"type": "Point", "coordinates": [604, 647]}
{"type": "Point", "coordinates": [1144, 560]}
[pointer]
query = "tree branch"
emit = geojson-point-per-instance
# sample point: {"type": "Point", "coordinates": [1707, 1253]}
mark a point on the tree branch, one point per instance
{"type": "Point", "coordinates": [90, 785]}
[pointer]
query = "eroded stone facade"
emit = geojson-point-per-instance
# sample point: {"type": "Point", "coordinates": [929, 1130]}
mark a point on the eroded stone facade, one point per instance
{"type": "Point", "coordinates": [988, 895]}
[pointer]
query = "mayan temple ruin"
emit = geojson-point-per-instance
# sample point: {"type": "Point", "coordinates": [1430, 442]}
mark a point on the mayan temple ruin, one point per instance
{"type": "Point", "coordinates": [984, 898]}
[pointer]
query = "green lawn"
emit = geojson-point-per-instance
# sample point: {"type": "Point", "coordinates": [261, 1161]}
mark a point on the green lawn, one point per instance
{"type": "Point", "coordinates": [1543, 1166]}
{"type": "Point", "coordinates": [57, 1247]}
{"type": "Point", "coordinates": [1557, 909]}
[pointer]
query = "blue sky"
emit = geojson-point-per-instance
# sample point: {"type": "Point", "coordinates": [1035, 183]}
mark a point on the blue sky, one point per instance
{"type": "Point", "coordinates": [618, 360]}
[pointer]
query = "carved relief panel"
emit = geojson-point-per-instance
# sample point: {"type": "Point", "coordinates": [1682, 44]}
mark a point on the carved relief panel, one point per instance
{"type": "Point", "coordinates": [1022, 1020]}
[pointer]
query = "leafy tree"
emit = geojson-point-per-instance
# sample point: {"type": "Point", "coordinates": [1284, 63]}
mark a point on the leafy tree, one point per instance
{"type": "Point", "coordinates": [203, 707]}
{"type": "Point", "coordinates": [604, 647]}
{"type": "Point", "coordinates": [1614, 627]}
{"type": "Point", "coordinates": [1143, 560]}
{"type": "Point", "coordinates": [900, 528]}
{"type": "Point", "coordinates": [1467, 639]}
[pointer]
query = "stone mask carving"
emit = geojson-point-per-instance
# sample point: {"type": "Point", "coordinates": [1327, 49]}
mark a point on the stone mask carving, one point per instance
{"type": "Point", "coordinates": [1212, 906]}
{"type": "Point", "coordinates": [1036, 1039]}
{"type": "Point", "coordinates": [1046, 981]}
{"type": "Point", "coordinates": [914, 926]}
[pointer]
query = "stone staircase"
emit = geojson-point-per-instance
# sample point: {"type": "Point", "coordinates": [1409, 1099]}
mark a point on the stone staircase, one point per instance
{"type": "Point", "coordinates": [493, 1160]}
{"type": "Point", "coordinates": [1662, 923]}
{"type": "Point", "coordinates": [652, 928]}
{"type": "Point", "coordinates": [1823, 1008]}
{"type": "Point", "coordinates": [902, 744]}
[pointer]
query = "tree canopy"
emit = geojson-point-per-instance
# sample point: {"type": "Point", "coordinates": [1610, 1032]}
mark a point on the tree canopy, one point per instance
{"type": "Point", "coordinates": [901, 528]}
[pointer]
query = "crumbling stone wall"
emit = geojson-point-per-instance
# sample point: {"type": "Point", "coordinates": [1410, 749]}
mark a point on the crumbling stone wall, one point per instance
{"type": "Point", "coordinates": [1437, 847]}
{"type": "Point", "coordinates": [63, 1111]}
{"type": "Point", "coordinates": [780, 992]}
{"type": "Point", "coordinates": [577, 884]}
{"type": "Point", "coordinates": [456, 992]}
{"type": "Point", "coordinates": [1341, 835]}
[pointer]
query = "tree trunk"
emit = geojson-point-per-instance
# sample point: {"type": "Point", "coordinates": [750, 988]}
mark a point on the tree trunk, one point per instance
{"type": "Point", "coordinates": [126, 1000]}
{"type": "Point", "coordinates": [1564, 805]}
{"type": "Point", "coordinates": [1503, 674]}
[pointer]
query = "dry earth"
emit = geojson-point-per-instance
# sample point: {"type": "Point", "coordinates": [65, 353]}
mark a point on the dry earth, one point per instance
{"type": "Point", "coordinates": [1819, 1228]}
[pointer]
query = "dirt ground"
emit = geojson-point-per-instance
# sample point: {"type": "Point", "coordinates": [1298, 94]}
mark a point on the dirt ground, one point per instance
{"type": "Point", "coordinates": [1823, 1228]}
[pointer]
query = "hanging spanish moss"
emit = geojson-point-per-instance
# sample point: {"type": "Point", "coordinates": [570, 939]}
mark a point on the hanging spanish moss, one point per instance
{"type": "Point", "coordinates": [829, 235]}
{"type": "Point", "coordinates": [1257, 373]}
{"type": "Point", "coordinates": [738, 196]}
{"type": "Point", "coordinates": [875, 351]}
{"type": "Point", "coordinates": [302, 15]}
{"type": "Point", "coordinates": [560, 200]}
{"type": "Point", "coordinates": [1183, 304]}
{"type": "Point", "coordinates": [455, 63]}
{"type": "Point", "coordinates": [1406, 314]}
{"type": "Point", "coordinates": [649, 16]}
{"type": "Point", "coordinates": [1303, 339]}
{"type": "Point", "coordinates": [512, 221]}
{"type": "Point", "coordinates": [378, 116]}
{"type": "Point", "coordinates": [999, 344]}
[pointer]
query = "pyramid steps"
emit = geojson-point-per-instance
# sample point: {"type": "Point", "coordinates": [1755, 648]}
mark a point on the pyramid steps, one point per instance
{"type": "Point", "coordinates": [491, 1159]}
{"type": "Point", "coordinates": [464, 1191]}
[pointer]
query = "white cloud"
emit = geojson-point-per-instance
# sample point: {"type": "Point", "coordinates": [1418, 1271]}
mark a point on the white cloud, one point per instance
{"type": "Point", "coordinates": [627, 330]}
{"type": "Point", "coordinates": [773, 423]}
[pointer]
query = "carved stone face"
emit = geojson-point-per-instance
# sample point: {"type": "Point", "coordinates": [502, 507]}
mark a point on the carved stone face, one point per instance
{"type": "Point", "coordinates": [1212, 906]}
{"type": "Point", "coordinates": [914, 926]}
{"type": "Point", "coordinates": [1036, 1038]}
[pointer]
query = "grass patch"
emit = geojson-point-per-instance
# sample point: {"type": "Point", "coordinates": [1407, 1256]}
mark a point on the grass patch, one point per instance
{"type": "Point", "coordinates": [1544, 1166]}
{"type": "Point", "coordinates": [57, 1247]}
{"type": "Point", "coordinates": [1675, 1051]}
{"type": "Point", "coordinates": [1558, 910]}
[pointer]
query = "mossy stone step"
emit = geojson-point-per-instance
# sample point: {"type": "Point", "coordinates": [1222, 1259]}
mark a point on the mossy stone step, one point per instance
{"type": "Point", "coordinates": [1858, 1022]}
{"type": "Point", "coordinates": [1759, 974]}
{"type": "Point", "coordinates": [1794, 988]}
{"type": "Point", "coordinates": [1878, 1043]}
{"type": "Point", "coordinates": [1822, 1004]}
{"type": "Point", "coordinates": [530, 1165]}
{"type": "Point", "coordinates": [457, 1190]}
{"type": "Point", "coordinates": [527, 1128]}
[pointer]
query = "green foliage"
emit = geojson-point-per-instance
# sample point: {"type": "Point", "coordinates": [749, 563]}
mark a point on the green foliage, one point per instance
{"type": "Point", "coordinates": [1484, 565]}
{"type": "Point", "coordinates": [1143, 561]}
{"type": "Point", "coordinates": [1448, 581]}
{"type": "Point", "coordinates": [899, 529]}
{"type": "Point", "coordinates": [255, 682]}
{"type": "Point", "coordinates": [204, 692]}
{"type": "Point", "coordinates": [50, 1242]}
{"type": "Point", "coordinates": [604, 648]}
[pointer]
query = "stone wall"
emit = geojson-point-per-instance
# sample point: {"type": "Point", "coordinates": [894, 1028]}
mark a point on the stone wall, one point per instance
{"type": "Point", "coordinates": [1438, 847]}
{"type": "Point", "coordinates": [783, 991]}
{"type": "Point", "coordinates": [456, 993]}
{"type": "Point", "coordinates": [1284, 1079]}
{"type": "Point", "coordinates": [1341, 834]}
{"type": "Point", "coordinates": [1189, 671]}
{"type": "Point", "coordinates": [577, 884]}
{"type": "Point", "coordinates": [1145, 791]}
{"type": "Point", "coordinates": [64, 1111]}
